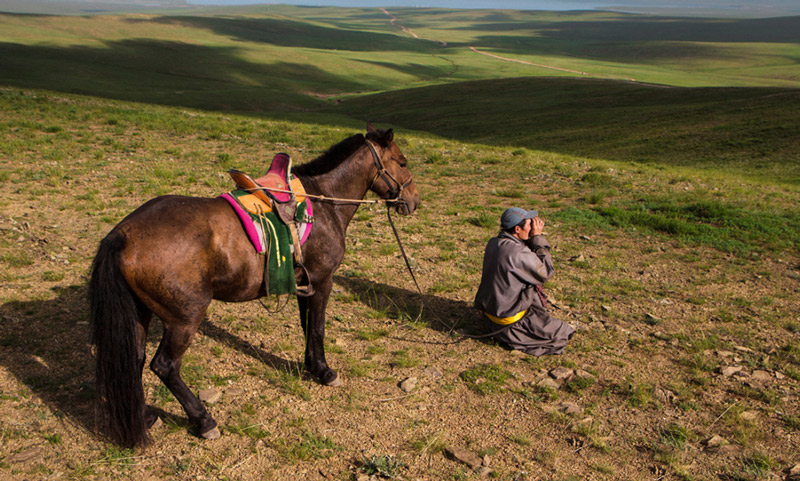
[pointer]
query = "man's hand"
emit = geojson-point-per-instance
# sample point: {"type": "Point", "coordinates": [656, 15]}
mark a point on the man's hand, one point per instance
{"type": "Point", "coordinates": [537, 226]}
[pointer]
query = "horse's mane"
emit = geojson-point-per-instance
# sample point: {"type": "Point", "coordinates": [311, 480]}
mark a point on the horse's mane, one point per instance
{"type": "Point", "coordinates": [334, 156]}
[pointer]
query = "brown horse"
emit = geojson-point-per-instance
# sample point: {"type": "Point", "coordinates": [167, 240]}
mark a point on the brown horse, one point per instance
{"type": "Point", "coordinates": [174, 254]}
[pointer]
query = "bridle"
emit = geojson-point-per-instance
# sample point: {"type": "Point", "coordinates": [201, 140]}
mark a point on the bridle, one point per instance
{"type": "Point", "coordinates": [395, 187]}
{"type": "Point", "coordinates": [395, 198]}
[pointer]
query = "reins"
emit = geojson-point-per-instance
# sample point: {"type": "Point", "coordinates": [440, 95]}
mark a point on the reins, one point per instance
{"type": "Point", "coordinates": [395, 193]}
{"type": "Point", "coordinates": [325, 198]}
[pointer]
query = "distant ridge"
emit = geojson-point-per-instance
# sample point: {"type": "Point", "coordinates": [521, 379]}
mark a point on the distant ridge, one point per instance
{"type": "Point", "coordinates": [67, 7]}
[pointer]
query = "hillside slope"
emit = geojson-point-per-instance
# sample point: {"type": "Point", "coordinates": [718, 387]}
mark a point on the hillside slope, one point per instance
{"type": "Point", "coordinates": [752, 130]}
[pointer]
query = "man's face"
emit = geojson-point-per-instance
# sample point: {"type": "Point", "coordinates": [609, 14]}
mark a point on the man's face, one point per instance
{"type": "Point", "coordinates": [524, 232]}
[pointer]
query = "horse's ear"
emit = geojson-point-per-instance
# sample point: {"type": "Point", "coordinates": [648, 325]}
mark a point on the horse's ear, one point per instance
{"type": "Point", "coordinates": [370, 127]}
{"type": "Point", "coordinates": [388, 136]}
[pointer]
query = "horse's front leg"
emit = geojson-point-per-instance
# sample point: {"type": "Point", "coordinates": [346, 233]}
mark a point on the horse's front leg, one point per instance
{"type": "Point", "coordinates": [312, 318]}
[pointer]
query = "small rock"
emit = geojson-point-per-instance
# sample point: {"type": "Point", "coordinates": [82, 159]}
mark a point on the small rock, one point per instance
{"type": "Point", "coordinates": [728, 371]}
{"type": "Point", "coordinates": [597, 326]}
{"type": "Point", "coordinates": [209, 396]}
{"type": "Point", "coordinates": [715, 442]}
{"type": "Point", "coordinates": [408, 384]}
{"type": "Point", "coordinates": [561, 373]}
{"type": "Point", "coordinates": [585, 237]}
{"type": "Point", "coordinates": [433, 371]}
{"type": "Point", "coordinates": [25, 456]}
{"type": "Point", "coordinates": [569, 408]}
{"type": "Point", "coordinates": [651, 318]}
{"type": "Point", "coordinates": [548, 383]}
{"type": "Point", "coordinates": [744, 349]}
{"type": "Point", "coordinates": [793, 473]}
{"type": "Point", "coordinates": [583, 374]}
{"type": "Point", "coordinates": [759, 375]}
{"type": "Point", "coordinates": [779, 375]}
{"type": "Point", "coordinates": [664, 395]}
{"type": "Point", "coordinates": [464, 456]}
{"type": "Point", "coordinates": [605, 308]}
{"type": "Point", "coordinates": [578, 258]}
{"type": "Point", "coordinates": [722, 353]}
{"type": "Point", "coordinates": [586, 421]}
{"type": "Point", "coordinates": [578, 326]}
{"type": "Point", "coordinates": [485, 472]}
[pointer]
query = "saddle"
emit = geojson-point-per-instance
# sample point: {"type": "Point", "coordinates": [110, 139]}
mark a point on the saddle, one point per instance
{"type": "Point", "coordinates": [277, 192]}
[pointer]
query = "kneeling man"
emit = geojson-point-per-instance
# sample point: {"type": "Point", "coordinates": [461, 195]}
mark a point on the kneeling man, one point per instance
{"type": "Point", "coordinates": [515, 265]}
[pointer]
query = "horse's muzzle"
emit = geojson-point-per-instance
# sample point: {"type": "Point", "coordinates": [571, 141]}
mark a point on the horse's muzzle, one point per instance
{"type": "Point", "coordinates": [407, 203]}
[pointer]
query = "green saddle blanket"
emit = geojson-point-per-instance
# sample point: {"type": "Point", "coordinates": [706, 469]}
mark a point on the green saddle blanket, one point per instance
{"type": "Point", "coordinates": [272, 238]}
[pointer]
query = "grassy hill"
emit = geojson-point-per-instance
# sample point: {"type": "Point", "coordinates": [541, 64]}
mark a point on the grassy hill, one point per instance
{"type": "Point", "coordinates": [735, 105]}
{"type": "Point", "coordinates": [672, 209]}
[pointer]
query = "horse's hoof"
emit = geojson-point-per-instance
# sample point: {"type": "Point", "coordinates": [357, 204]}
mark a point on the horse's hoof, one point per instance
{"type": "Point", "coordinates": [335, 382]}
{"type": "Point", "coordinates": [211, 434]}
{"type": "Point", "coordinates": [157, 423]}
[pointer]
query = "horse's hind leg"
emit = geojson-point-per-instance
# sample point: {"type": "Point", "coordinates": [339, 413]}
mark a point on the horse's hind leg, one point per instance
{"type": "Point", "coordinates": [145, 316]}
{"type": "Point", "coordinates": [166, 364]}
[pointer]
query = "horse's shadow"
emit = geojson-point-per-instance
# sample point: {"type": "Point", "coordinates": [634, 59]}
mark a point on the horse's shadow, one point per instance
{"type": "Point", "coordinates": [45, 345]}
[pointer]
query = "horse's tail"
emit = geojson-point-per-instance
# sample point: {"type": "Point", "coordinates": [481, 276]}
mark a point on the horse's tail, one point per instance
{"type": "Point", "coordinates": [113, 317]}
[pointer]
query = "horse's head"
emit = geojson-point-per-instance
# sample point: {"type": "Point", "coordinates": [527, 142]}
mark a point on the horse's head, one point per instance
{"type": "Point", "coordinates": [392, 178]}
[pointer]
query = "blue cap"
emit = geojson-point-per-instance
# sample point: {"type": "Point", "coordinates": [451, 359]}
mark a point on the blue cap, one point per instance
{"type": "Point", "coordinates": [514, 215]}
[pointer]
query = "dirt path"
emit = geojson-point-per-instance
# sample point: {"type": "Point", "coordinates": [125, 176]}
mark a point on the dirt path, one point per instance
{"type": "Point", "coordinates": [393, 21]}
{"type": "Point", "coordinates": [525, 63]}
{"type": "Point", "coordinates": [550, 66]}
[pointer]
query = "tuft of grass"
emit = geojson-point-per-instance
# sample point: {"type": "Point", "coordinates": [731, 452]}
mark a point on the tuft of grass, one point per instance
{"type": "Point", "coordinates": [429, 444]}
{"type": "Point", "coordinates": [640, 395]}
{"type": "Point", "coordinates": [372, 334]}
{"type": "Point", "coordinates": [521, 439]}
{"type": "Point", "coordinates": [675, 436]}
{"type": "Point", "coordinates": [577, 384]}
{"type": "Point", "coordinates": [290, 382]}
{"type": "Point", "coordinates": [54, 439]}
{"type": "Point", "coordinates": [486, 220]}
{"type": "Point", "coordinates": [385, 466]}
{"type": "Point", "coordinates": [757, 465]}
{"type": "Point", "coordinates": [120, 457]}
{"type": "Point", "coordinates": [404, 359]}
{"type": "Point", "coordinates": [244, 425]}
{"type": "Point", "coordinates": [486, 378]}
{"type": "Point", "coordinates": [309, 445]}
